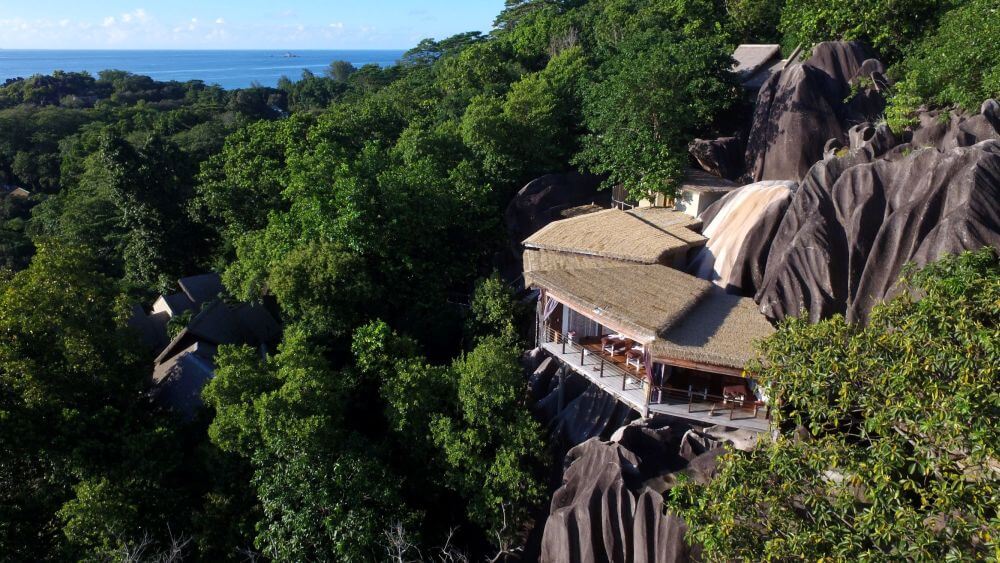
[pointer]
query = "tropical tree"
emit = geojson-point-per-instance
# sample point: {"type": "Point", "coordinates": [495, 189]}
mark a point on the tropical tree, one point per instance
{"type": "Point", "coordinates": [492, 448]}
{"type": "Point", "coordinates": [888, 441]}
{"type": "Point", "coordinates": [81, 465]}
{"type": "Point", "coordinates": [321, 495]}
{"type": "Point", "coordinates": [646, 103]}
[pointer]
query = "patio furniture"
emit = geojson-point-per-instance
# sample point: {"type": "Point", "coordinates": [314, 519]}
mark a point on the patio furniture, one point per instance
{"type": "Point", "coordinates": [633, 357]}
{"type": "Point", "coordinates": [735, 394]}
{"type": "Point", "coordinates": [617, 344]}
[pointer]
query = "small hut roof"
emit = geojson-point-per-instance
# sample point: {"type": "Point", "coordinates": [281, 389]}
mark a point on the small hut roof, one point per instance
{"type": "Point", "coordinates": [203, 288]}
{"type": "Point", "coordinates": [646, 237]}
{"type": "Point", "coordinates": [720, 331]}
{"type": "Point", "coordinates": [751, 58]}
{"type": "Point", "coordinates": [703, 182]}
{"type": "Point", "coordinates": [643, 300]}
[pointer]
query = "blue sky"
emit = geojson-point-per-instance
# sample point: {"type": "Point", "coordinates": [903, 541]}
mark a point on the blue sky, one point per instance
{"type": "Point", "coordinates": [237, 24]}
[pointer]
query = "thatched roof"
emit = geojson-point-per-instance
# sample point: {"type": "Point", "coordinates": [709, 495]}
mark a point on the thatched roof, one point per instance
{"type": "Point", "coordinates": [720, 331]}
{"type": "Point", "coordinates": [646, 236]}
{"type": "Point", "coordinates": [680, 317]}
{"type": "Point", "coordinates": [535, 259]}
{"type": "Point", "coordinates": [756, 63]}
{"type": "Point", "coordinates": [750, 58]}
{"type": "Point", "coordinates": [643, 301]}
{"type": "Point", "coordinates": [702, 182]}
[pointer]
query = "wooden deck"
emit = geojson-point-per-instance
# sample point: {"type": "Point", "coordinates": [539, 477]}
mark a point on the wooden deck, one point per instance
{"type": "Point", "coordinates": [623, 382]}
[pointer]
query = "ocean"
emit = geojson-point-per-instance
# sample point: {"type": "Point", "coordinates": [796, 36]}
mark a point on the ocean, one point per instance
{"type": "Point", "coordinates": [229, 69]}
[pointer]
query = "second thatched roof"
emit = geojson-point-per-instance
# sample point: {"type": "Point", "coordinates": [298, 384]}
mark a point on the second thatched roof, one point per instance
{"type": "Point", "coordinates": [643, 301]}
{"type": "Point", "coordinates": [720, 331]}
{"type": "Point", "coordinates": [680, 317]}
{"type": "Point", "coordinates": [644, 236]}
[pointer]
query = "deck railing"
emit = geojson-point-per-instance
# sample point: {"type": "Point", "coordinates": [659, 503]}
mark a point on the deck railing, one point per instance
{"type": "Point", "coordinates": [697, 400]}
{"type": "Point", "coordinates": [701, 401]}
{"type": "Point", "coordinates": [602, 366]}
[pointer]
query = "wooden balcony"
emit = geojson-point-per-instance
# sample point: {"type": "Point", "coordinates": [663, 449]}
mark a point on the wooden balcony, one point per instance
{"type": "Point", "coordinates": [631, 386]}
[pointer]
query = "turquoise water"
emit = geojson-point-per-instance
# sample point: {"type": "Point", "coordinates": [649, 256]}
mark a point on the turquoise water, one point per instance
{"type": "Point", "coordinates": [229, 69]}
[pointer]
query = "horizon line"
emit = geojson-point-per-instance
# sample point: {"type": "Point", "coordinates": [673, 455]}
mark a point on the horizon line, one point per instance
{"type": "Point", "coordinates": [287, 50]}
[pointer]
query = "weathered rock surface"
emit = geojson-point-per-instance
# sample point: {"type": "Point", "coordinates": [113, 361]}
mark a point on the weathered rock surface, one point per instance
{"type": "Point", "coordinates": [605, 512]}
{"type": "Point", "coordinates": [577, 411]}
{"type": "Point", "coordinates": [610, 505]}
{"type": "Point", "coordinates": [722, 157]}
{"type": "Point", "coordinates": [840, 241]}
{"type": "Point", "coordinates": [803, 106]}
{"type": "Point", "coordinates": [856, 221]}
{"type": "Point", "coordinates": [740, 227]}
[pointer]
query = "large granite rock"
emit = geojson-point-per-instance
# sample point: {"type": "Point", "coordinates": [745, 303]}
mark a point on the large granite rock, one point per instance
{"type": "Point", "coordinates": [605, 512]}
{"type": "Point", "coordinates": [877, 201]}
{"type": "Point", "coordinates": [576, 411]}
{"type": "Point", "coordinates": [856, 221]}
{"type": "Point", "coordinates": [802, 107]}
{"type": "Point", "coordinates": [740, 228]}
{"type": "Point", "coordinates": [610, 505]}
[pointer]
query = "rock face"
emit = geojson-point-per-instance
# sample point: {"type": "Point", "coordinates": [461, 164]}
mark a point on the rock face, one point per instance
{"type": "Point", "coordinates": [722, 157]}
{"type": "Point", "coordinates": [577, 411]}
{"type": "Point", "coordinates": [740, 227]}
{"type": "Point", "coordinates": [606, 511]}
{"type": "Point", "coordinates": [840, 241]}
{"type": "Point", "coordinates": [542, 201]}
{"type": "Point", "coordinates": [803, 106]}
{"type": "Point", "coordinates": [610, 505]}
{"type": "Point", "coordinates": [856, 221]}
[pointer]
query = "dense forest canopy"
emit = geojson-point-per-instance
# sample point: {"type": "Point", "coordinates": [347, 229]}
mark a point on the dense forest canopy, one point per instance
{"type": "Point", "coordinates": [367, 202]}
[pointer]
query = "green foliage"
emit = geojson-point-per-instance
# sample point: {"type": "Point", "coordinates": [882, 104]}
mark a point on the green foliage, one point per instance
{"type": "Point", "coordinates": [321, 497]}
{"type": "Point", "coordinates": [492, 448]}
{"type": "Point", "coordinates": [322, 288]}
{"type": "Point", "coordinates": [15, 245]}
{"type": "Point", "coordinates": [955, 66]}
{"type": "Point", "coordinates": [80, 466]}
{"type": "Point", "coordinates": [897, 454]}
{"type": "Point", "coordinates": [754, 21]}
{"type": "Point", "coordinates": [413, 391]}
{"type": "Point", "coordinates": [531, 128]}
{"type": "Point", "coordinates": [340, 70]}
{"type": "Point", "coordinates": [242, 183]}
{"type": "Point", "coordinates": [494, 311]}
{"type": "Point", "coordinates": [178, 323]}
{"type": "Point", "coordinates": [647, 102]}
{"type": "Point", "coordinates": [890, 26]}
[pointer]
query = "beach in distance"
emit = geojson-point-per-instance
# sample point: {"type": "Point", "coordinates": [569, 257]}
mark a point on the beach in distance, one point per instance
{"type": "Point", "coordinates": [229, 69]}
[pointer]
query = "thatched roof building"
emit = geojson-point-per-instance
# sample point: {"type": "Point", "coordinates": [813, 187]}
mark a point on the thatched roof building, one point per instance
{"type": "Point", "coordinates": [682, 319]}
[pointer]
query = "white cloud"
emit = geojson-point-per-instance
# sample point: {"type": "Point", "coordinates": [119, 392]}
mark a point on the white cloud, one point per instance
{"type": "Point", "coordinates": [139, 28]}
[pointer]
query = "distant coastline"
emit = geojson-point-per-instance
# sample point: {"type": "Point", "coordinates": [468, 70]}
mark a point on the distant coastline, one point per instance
{"type": "Point", "coordinates": [230, 69]}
